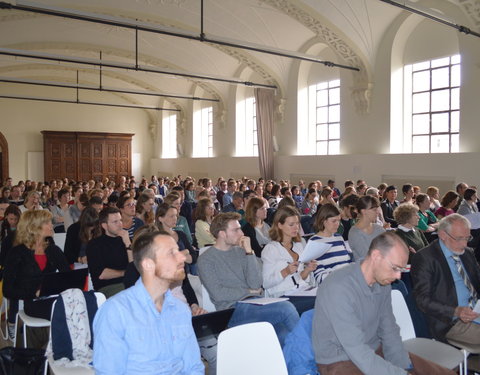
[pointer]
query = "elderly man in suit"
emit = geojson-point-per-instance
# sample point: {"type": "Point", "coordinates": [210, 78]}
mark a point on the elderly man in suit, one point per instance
{"type": "Point", "coordinates": [446, 283]}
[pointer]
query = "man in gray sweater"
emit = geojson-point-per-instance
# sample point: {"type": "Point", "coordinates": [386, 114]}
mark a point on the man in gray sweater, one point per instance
{"type": "Point", "coordinates": [230, 272]}
{"type": "Point", "coordinates": [354, 329]}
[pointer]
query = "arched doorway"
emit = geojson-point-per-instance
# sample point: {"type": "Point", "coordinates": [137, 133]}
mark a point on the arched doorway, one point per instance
{"type": "Point", "coordinates": [4, 172]}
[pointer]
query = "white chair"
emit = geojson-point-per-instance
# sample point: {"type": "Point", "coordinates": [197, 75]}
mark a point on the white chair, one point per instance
{"type": "Point", "coordinates": [466, 351]}
{"type": "Point", "coordinates": [434, 351]}
{"type": "Point", "coordinates": [4, 310]}
{"type": "Point", "coordinates": [28, 321]}
{"type": "Point", "coordinates": [59, 239]}
{"type": "Point", "coordinates": [60, 370]}
{"type": "Point", "coordinates": [251, 349]}
{"type": "Point", "coordinates": [207, 303]}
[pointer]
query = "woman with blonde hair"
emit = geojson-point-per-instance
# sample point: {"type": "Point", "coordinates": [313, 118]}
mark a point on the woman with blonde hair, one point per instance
{"type": "Point", "coordinates": [33, 255]}
{"type": "Point", "coordinates": [32, 202]}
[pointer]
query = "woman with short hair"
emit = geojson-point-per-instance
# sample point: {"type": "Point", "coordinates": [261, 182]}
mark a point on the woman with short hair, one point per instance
{"type": "Point", "coordinates": [469, 203]}
{"type": "Point", "coordinates": [407, 218]}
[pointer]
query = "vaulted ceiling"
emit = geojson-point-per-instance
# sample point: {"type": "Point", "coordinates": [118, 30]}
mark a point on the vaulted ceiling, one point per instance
{"type": "Point", "coordinates": [353, 29]}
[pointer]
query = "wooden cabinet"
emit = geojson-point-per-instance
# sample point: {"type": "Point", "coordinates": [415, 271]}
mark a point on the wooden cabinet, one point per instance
{"type": "Point", "coordinates": [82, 156]}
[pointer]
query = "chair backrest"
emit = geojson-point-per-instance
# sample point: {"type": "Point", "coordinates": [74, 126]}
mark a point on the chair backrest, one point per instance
{"type": "Point", "coordinates": [59, 239]}
{"type": "Point", "coordinates": [207, 303]}
{"type": "Point", "coordinates": [251, 349]}
{"type": "Point", "coordinates": [402, 315]}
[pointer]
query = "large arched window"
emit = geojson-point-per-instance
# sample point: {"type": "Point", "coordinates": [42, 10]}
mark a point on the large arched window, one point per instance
{"type": "Point", "coordinates": [246, 128]}
{"type": "Point", "coordinates": [318, 106]}
{"type": "Point", "coordinates": [169, 136]}
{"type": "Point", "coordinates": [203, 133]}
{"type": "Point", "coordinates": [425, 91]}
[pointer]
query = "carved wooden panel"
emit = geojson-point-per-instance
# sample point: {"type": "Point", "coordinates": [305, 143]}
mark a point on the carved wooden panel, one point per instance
{"type": "Point", "coordinates": [84, 155]}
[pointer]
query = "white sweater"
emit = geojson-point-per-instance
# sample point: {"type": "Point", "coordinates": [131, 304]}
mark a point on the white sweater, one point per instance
{"type": "Point", "coordinates": [275, 258]}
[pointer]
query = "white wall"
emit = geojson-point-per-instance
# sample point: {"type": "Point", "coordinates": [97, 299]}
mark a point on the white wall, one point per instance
{"type": "Point", "coordinates": [22, 121]}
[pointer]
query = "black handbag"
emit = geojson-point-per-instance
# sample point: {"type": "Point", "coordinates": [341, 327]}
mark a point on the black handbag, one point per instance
{"type": "Point", "coordinates": [21, 361]}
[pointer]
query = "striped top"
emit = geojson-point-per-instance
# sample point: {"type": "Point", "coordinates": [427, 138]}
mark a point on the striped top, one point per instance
{"type": "Point", "coordinates": [336, 257]}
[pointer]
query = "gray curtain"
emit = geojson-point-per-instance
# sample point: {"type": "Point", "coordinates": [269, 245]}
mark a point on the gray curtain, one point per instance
{"type": "Point", "coordinates": [264, 106]}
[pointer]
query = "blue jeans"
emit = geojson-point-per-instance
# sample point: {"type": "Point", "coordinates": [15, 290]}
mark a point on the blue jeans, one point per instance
{"type": "Point", "coordinates": [282, 315]}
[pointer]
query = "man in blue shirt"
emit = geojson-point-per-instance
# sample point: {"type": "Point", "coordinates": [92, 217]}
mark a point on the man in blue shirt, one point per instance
{"type": "Point", "coordinates": [144, 329]}
{"type": "Point", "coordinates": [446, 282]}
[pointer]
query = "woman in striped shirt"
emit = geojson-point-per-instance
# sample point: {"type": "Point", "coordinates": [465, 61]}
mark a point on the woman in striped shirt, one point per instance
{"type": "Point", "coordinates": [338, 255]}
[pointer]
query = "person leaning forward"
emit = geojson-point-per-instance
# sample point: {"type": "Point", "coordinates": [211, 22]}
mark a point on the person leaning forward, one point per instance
{"type": "Point", "coordinates": [354, 329]}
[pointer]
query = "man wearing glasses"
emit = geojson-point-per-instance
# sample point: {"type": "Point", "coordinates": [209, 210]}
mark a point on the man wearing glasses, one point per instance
{"type": "Point", "coordinates": [354, 330]}
{"type": "Point", "coordinates": [446, 282]}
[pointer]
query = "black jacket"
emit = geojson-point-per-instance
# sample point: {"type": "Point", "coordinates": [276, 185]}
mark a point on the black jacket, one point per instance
{"type": "Point", "coordinates": [22, 275]}
{"type": "Point", "coordinates": [73, 243]}
{"type": "Point", "coordinates": [434, 289]}
{"type": "Point", "coordinates": [249, 231]}
{"type": "Point", "coordinates": [387, 210]}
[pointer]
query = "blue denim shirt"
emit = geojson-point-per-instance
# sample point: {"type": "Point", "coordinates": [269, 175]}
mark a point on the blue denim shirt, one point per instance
{"type": "Point", "coordinates": [463, 294]}
{"type": "Point", "coordinates": [133, 337]}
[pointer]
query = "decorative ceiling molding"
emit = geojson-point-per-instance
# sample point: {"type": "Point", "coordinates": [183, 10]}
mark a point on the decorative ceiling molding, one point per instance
{"type": "Point", "coordinates": [312, 20]}
{"type": "Point", "coordinates": [472, 9]}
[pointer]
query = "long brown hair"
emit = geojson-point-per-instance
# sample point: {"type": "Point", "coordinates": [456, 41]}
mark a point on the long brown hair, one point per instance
{"type": "Point", "coordinates": [281, 216]}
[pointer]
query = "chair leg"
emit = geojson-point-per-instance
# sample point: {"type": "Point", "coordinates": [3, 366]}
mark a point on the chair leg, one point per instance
{"type": "Point", "coordinates": [465, 361]}
{"type": "Point", "coordinates": [16, 330]}
{"type": "Point", "coordinates": [24, 335]}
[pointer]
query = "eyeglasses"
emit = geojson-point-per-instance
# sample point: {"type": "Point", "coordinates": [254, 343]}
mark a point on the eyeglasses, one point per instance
{"type": "Point", "coordinates": [460, 239]}
{"type": "Point", "coordinates": [130, 205]}
{"type": "Point", "coordinates": [396, 268]}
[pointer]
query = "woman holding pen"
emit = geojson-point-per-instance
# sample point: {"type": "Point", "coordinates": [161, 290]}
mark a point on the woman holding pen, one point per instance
{"type": "Point", "coordinates": [282, 271]}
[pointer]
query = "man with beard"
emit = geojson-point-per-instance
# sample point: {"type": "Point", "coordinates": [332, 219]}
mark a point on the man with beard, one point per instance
{"type": "Point", "coordinates": [354, 330]}
{"type": "Point", "coordinates": [145, 329]}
